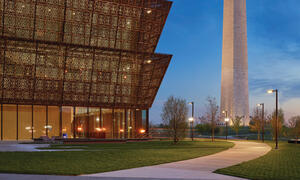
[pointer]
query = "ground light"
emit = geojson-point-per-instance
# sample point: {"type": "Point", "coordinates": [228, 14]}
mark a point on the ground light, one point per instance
{"type": "Point", "coordinates": [276, 134]}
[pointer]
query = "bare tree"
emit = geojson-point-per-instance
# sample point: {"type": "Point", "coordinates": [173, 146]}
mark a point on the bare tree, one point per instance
{"type": "Point", "coordinates": [256, 121]}
{"type": "Point", "coordinates": [212, 110]}
{"type": "Point", "coordinates": [294, 123]}
{"type": "Point", "coordinates": [174, 116]}
{"type": "Point", "coordinates": [236, 123]}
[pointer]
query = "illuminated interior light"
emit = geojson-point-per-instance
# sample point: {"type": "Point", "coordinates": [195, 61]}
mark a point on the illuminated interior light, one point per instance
{"type": "Point", "coordinates": [74, 13]}
{"type": "Point", "coordinates": [149, 61]}
{"type": "Point", "coordinates": [97, 119]}
{"type": "Point", "coordinates": [49, 10]}
{"type": "Point", "coordinates": [130, 127]}
{"type": "Point", "coordinates": [125, 77]}
{"type": "Point", "coordinates": [142, 131]}
{"type": "Point", "coordinates": [79, 129]}
{"type": "Point", "coordinates": [121, 130]}
{"type": "Point", "coordinates": [149, 11]}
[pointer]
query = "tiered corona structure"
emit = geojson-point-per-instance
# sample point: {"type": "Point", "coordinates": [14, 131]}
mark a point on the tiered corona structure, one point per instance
{"type": "Point", "coordinates": [234, 85]}
{"type": "Point", "coordinates": [79, 68]}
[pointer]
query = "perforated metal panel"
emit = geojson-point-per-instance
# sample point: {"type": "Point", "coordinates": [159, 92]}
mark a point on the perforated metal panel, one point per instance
{"type": "Point", "coordinates": [82, 52]}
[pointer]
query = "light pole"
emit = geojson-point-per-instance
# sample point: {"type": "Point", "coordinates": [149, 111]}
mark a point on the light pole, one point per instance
{"type": "Point", "coordinates": [262, 121]}
{"type": "Point", "coordinates": [226, 122]}
{"type": "Point", "coordinates": [191, 119]}
{"type": "Point", "coordinates": [276, 114]}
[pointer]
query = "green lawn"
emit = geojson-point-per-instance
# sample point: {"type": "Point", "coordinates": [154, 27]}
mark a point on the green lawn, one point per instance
{"type": "Point", "coordinates": [281, 164]}
{"type": "Point", "coordinates": [106, 157]}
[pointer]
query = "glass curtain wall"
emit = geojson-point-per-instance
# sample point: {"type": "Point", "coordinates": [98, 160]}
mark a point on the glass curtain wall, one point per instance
{"type": "Point", "coordinates": [107, 115]}
{"type": "Point", "coordinates": [25, 122]}
{"type": "Point", "coordinates": [94, 123]}
{"type": "Point", "coordinates": [119, 123]}
{"type": "Point", "coordinates": [53, 121]}
{"type": "Point", "coordinates": [9, 122]}
{"type": "Point", "coordinates": [81, 122]}
{"type": "Point", "coordinates": [67, 119]}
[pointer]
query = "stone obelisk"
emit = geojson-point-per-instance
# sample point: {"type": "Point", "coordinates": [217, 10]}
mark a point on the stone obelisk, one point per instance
{"type": "Point", "coordinates": [234, 85]}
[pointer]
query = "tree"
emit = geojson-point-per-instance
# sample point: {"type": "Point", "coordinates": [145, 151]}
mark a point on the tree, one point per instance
{"type": "Point", "coordinates": [212, 110]}
{"type": "Point", "coordinates": [174, 116]}
{"type": "Point", "coordinates": [272, 121]}
{"type": "Point", "coordinates": [294, 124]}
{"type": "Point", "coordinates": [256, 121]}
{"type": "Point", "coordinates": [236, 123]}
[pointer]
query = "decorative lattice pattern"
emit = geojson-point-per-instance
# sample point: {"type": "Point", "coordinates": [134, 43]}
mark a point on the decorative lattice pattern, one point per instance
{"type": "Point", "coordinates": [120, 24]}
{"type": "Point", "coordinates": [82, 52]}
{"type": "Point", "coordinates": [42, 73]}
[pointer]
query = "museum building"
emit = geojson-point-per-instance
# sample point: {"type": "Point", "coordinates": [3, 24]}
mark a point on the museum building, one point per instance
{"type": "Point", "coordinates": [79, 68]}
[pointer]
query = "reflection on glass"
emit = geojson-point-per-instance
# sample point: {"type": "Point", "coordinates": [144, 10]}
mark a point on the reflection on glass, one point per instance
{"type": "Point", "coordinates": [39, 121]}
{"type": "Point", "coordinates": [107, 122]}
{"type": "Point", "coordinates": [53, 121]}
{"type": "Point", "coordinates": [67, 118]}
{"type": "Point", "coordinates": [9, 122]}
{"type": "Point", "coordinates": [25, 117]}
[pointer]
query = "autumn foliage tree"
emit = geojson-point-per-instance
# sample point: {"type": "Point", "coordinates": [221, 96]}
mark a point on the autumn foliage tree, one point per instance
{"type": "Point", "coordinates": [256, 121]}
{"type": "Point", "coordinates": [272, 121]}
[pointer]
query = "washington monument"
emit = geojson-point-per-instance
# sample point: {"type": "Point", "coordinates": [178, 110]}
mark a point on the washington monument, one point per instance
{"type": "Point", "coordinates": [234, 85]}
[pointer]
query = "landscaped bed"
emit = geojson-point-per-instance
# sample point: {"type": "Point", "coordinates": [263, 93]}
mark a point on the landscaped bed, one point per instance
{"type": "Point", "coordinates": [281, 164]}
{"type": "Point", "coordinates": [95, 158]}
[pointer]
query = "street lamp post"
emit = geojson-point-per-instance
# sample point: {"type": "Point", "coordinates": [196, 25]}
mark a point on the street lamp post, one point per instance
{"type": "Point", "coordinates": [276, 114]}
{"type": "Point", "coordinates": [192, 121]}
{"type": "Point", "coordinates": [262, 121]}
{"type": "Point", "coordinates": [226, 122]}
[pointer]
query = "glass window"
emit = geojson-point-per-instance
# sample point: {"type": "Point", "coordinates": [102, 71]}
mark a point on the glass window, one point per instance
{"type": "Point", "coordinates": [25, 120]}
{"type": "Point", "coordinates": [81, 122]}
{"type": "Point", "coordinates": [39, 121]}
{"type": "Point", "coordinates": [94, 123]}
{"type": "Point", "coordinates": [107, 122]}
{"type": "Point", "coordinates": [9, 122]}
{"type": "Point", "coordinates": [67, 119]}
{"type": "Point", "coordinates": [119, 123]}
{"type": "Point", "coordinates": [53, 121]}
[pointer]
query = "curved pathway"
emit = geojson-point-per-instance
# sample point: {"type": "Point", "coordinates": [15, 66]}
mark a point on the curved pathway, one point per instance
{"type": "Point", "coordinates": [199, 168]}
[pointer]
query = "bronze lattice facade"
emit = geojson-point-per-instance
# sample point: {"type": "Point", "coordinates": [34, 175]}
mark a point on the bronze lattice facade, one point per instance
{"type": "Point", "coordinates": [97, 54]}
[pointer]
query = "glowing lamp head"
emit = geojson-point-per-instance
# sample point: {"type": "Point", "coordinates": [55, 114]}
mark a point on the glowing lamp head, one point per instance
{"type": "Point", "coordinates": [270, 91]}
{"type": "Point", "coordinates": [226, 119]}
{"type": "Point", "coordinates": [121, 130]}
{"type": "Point", "coordinates": [142, 131]}
{"type": "Point", "coordinates": [149, 11]}
{"type": "Point", "coordinates": [97, 119]}
{"type": "Point", "coordinates": [191, 119]}
{"type": "Point", "coordinates": [79, 128]}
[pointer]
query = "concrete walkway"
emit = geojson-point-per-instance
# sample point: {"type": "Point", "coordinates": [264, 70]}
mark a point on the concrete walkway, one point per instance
{"type": "Point", "coordinates": [199, 168]}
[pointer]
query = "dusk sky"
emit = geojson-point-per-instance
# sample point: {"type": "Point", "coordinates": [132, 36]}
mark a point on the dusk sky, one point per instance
{"type": "Point", "coordinates": [193, 34]}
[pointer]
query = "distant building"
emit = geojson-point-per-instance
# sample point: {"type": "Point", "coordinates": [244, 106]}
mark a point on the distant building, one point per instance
{"type": "Point", "coordinates": [79, 68]}
{"type": "Point", "coordinates": [234, 87]}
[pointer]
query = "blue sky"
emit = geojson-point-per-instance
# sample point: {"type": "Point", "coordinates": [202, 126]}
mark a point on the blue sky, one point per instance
{"type": "Point", "coordinates": [193, 34]}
